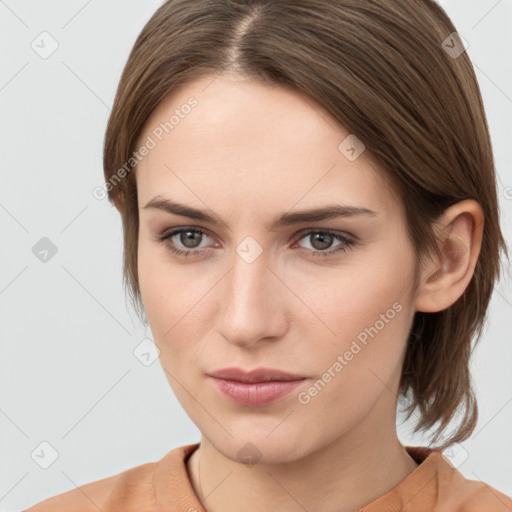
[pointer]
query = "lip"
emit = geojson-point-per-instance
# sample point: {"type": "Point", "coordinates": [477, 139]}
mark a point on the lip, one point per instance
{"type": "Point", "coordinates": [256, 375]}
{"type": "Point", "coordinates": [258, 387]}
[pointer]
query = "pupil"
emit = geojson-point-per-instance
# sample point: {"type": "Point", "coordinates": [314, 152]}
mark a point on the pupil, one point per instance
{"type": "Point", "coordinates": [188, 236]}
{"type": "Point", "coordinates": [322, 237]}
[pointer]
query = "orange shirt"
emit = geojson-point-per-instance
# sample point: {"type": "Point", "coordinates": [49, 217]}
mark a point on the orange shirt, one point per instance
{"type": "Point", "coordinates": [164, 486]}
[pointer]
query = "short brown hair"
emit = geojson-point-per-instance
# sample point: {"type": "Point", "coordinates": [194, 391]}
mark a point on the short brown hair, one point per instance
{"type": "Point", "coordinates": [381, 68]}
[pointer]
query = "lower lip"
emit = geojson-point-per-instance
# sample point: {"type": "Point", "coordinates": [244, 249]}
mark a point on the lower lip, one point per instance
{"type": "Point", "coordinates": [255, 393]}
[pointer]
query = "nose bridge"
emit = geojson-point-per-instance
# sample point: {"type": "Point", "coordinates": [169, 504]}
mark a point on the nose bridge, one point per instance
{"type": "Point", "coordinates": [249, 278]}
{"type": "Point", "coordinates": [249, 265]}
{"type": "Point", "coordinates": [250, 308]}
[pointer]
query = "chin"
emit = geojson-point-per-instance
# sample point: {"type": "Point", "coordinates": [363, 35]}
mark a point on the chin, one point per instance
{"type": "Point", "coordinates": [258, 447]}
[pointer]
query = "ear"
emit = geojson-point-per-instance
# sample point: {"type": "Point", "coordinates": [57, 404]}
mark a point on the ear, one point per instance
{"type": "Point", "coordinates": [443, 281]}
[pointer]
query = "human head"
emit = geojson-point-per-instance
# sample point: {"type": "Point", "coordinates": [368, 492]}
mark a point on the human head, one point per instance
{"type": "Point", "coordinates": [368, 64]}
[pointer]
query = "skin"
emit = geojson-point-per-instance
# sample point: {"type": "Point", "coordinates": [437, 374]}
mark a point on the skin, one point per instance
{"type": "Point", "coordinates": [247, 153]}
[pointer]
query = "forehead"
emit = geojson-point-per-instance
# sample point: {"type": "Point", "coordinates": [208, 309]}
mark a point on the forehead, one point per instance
{"type": "Point", "coordinates": [231, 136]}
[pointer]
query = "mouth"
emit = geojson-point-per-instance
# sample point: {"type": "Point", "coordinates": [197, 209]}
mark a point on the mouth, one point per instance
{"type": "Point", "coordinates": [254, 388]}
{"type": "Point", "coordinates": [256, 375]}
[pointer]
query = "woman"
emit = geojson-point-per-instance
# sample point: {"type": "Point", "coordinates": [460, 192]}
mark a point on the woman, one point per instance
{"type": "Point", "coordinates": [311, 229]}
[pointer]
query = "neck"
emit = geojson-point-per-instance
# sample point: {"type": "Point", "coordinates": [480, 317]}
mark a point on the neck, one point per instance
{"type": "Point", "coordinates": [334, 478]}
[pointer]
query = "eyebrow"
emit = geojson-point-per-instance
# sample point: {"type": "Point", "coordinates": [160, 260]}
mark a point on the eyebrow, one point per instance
{"type": "Point", "coordinates": [286, 219]}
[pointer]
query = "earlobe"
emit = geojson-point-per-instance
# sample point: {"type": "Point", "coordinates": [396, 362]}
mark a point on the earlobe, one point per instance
{"type": "Point", "coordinates": [460, 238]}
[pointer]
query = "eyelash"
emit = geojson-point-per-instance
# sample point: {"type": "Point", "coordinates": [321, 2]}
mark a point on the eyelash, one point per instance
{"type": "Point", "coordinates": [342, 248]}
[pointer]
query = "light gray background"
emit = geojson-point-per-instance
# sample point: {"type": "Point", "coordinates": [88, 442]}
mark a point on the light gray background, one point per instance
{"type": "Point", "coordinates": [68, 375]}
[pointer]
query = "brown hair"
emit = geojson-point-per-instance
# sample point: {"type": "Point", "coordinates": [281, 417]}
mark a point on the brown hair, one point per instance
{"type": "Point", "coordinates": [381, 69]}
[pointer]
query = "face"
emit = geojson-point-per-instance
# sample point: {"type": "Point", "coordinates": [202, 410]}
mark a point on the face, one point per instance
{"type": "Point", "coordinates": [258, 281]}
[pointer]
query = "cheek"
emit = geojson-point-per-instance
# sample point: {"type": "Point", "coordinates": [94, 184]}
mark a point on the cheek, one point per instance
{"type": "Point", "coordinates": [363, 314]}
{"type": "Point", "coordinates": [352, 297]}
{"type": "Point", "coordinates": [163, 292]}
{"type": "Point", "coordinates": [152, 283]}
{"type": "Point", "coordinates": [173, 295]}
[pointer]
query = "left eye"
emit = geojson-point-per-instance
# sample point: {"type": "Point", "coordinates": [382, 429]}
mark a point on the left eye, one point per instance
{"type": "Point", "coordinates": [322, 240]}
{"type": "Point", "coordinates": [190, 240]}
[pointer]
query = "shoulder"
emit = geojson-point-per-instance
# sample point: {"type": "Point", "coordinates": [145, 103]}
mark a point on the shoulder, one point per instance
{"type": "Point", "coordinates": [435, 485]}
{"type": "Point", "coordinates": [143, 487]}
{"type": "Point", "coordinates": [131, 488]}
{"type": "Point", "coordinates": [472, 496]}
{"type": "Point", "coordinates": [457, 493]}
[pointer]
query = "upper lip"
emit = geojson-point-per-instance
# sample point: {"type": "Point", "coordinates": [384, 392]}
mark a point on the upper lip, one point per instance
{"type": "Point", "coordinates": [256, 375]}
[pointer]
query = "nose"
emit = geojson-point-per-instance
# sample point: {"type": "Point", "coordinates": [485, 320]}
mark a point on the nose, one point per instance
{"type": "Point", "coordinates": [254, 302]}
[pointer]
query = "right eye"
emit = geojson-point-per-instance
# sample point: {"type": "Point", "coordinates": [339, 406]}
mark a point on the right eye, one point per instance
{"type": "Point", "coordinates": [189, 239]}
